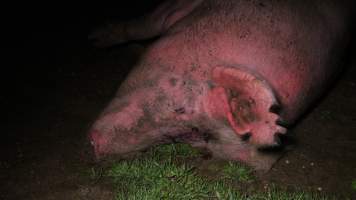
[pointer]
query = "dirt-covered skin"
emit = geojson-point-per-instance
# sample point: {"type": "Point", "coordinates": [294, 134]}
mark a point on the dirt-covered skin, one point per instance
{"type": "Point", "coordinates": [221, 68]}
{"type": "Point", "coordinates": [46, 116]}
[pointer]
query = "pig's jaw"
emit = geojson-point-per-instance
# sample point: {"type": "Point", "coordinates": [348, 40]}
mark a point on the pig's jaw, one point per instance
{"type": "Point", "coordinates": [246, 102]}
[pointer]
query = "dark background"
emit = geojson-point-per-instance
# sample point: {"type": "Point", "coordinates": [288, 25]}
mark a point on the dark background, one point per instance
{"type": "Point", "coordinates": [39, 39]}
{"type": "Point", "coordinates": [53, 84]}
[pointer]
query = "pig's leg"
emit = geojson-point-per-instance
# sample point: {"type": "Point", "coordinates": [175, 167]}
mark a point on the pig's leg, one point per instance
{"type": "Point", "coordinates": [147, 26]}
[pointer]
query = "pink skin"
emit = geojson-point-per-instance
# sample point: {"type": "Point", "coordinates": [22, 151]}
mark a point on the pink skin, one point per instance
{"type": "Point", "coordinates": [212, 79]}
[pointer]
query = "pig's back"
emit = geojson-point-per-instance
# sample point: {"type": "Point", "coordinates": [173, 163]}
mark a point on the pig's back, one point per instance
{"type": "Point", "coordinates": [294, 45]}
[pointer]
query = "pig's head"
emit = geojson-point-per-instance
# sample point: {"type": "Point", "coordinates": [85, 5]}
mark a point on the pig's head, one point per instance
{"type": "Point", "coordinates": [238, 105]}
{"type": "Point", "coordinates": [247, 103]}
{"type": "Point", "coordinates": [110, 134]}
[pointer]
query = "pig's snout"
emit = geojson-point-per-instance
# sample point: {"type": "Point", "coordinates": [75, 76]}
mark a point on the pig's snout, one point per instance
{"type": "Point", "coordinates": [99, 143]}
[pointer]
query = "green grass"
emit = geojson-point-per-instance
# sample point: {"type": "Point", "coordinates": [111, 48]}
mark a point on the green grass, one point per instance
{"type": "Point", "coordinates": [353, 185]}
{"type": "Point", "coordinates": [234, 171]}
{"type": "Point", "coordinates": [168, 172]}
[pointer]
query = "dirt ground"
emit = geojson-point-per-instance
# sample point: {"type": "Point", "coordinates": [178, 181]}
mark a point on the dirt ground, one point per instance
{"type": "Point", "coordinates": [58, 83]}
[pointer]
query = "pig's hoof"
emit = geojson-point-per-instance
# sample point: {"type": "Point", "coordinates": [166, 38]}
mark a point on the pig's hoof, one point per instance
{"type": "Point", "coordinates": [252, 106]}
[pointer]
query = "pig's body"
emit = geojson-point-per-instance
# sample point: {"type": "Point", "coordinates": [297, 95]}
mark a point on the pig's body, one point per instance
{"type": "Point", "coordinates": [219, 71]}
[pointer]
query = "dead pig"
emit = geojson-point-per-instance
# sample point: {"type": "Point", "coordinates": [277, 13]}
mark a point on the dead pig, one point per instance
{"type": "Point", "coordinates": [222, 74]}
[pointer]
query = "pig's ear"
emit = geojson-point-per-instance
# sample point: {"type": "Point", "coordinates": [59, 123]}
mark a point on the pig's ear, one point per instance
{"type": "Point", "coordinates": [249, 104]}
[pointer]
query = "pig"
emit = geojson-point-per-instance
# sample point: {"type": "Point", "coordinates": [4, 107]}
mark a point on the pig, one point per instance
{"type": "Point", "coordinates": [227, 76]}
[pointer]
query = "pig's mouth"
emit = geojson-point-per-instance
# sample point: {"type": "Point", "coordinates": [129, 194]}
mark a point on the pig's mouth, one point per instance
{"type": "Point", "coordinates": [253, 110]}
